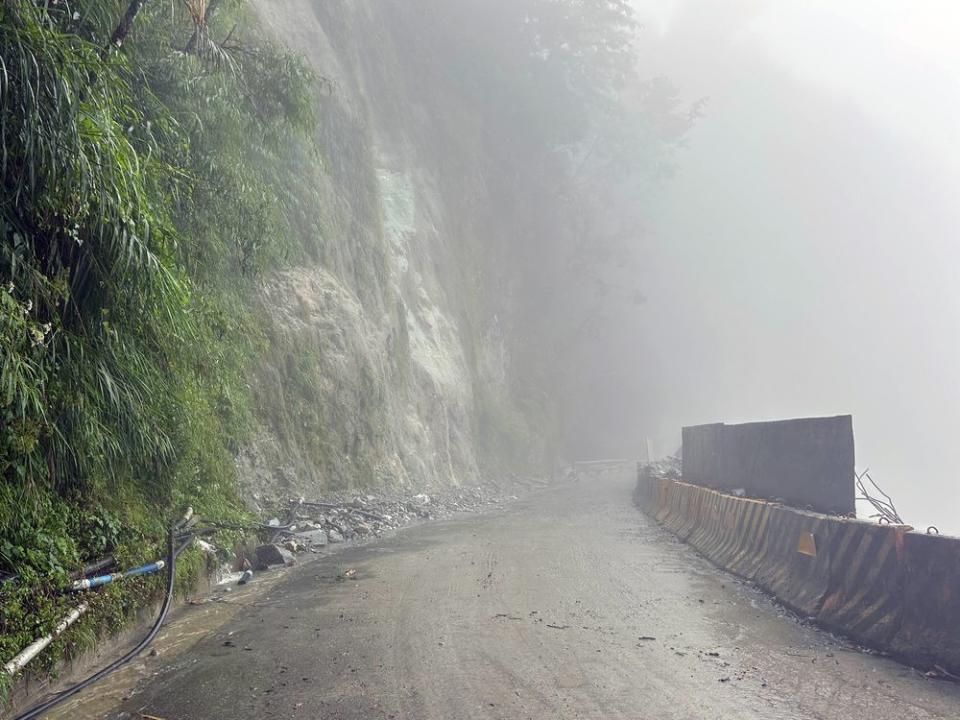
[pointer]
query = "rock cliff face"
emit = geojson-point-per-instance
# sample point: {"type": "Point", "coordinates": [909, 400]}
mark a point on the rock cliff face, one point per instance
{"type": "Point", "coordinates": [385, 362]}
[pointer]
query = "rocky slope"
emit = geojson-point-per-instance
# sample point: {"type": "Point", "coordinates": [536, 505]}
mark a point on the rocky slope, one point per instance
{"type": "Point", "coordinates": [386, 363]}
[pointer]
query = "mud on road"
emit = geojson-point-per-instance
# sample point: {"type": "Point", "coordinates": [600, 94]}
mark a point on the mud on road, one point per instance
{"type": "Point", "coordinates": [567, 604]}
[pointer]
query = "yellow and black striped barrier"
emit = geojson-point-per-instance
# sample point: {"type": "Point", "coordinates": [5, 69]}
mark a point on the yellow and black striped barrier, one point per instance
{"type": "Point", "coordinates": [886, 586]}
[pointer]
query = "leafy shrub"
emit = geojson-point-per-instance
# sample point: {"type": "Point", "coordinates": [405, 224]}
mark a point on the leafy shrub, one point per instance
{"type": "Point", "coordinates": [143, 194]}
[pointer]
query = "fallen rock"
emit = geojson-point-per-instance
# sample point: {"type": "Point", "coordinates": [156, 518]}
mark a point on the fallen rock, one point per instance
{"type": "Point", "coordinates": [312, 538]}
{"type": "Point", "coordinates": [294, 546]}
{"type": "Point", "coordinates": [334, 536]}
{"type": "Point", "coordinates": [269, 555]}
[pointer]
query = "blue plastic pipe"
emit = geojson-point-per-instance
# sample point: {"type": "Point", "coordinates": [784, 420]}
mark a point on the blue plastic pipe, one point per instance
{"type": "Point", "coordinates": [93, 582]}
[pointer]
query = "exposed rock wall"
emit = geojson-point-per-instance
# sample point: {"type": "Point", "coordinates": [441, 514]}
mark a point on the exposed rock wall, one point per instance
{"type": "Point", "coordinates": [382, 354]}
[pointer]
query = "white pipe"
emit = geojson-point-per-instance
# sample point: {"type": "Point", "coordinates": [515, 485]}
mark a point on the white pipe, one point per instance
{"type": "Point", "coordinates": [36, 647]}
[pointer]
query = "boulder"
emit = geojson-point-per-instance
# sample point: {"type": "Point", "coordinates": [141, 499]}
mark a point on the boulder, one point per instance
{"type": "Point", "coordinates": [312, 538]}
{"type": "Point", "coordinates": [269, 555]}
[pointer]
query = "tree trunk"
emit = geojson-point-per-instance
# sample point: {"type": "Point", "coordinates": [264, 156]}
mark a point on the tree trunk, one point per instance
{"type": "Point", "coordinates": [200, 28]}
{"type": "Point", "coordinates": [123, 29]}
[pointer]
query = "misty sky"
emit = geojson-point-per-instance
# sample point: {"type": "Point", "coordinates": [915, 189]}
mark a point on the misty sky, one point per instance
{"type": "Point", "coordinates": [804, 260]}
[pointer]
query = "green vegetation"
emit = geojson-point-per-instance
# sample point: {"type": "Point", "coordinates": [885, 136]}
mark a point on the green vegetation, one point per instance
{"type": "Point", "coordinates": [143, 191]}
{"type": "Point", "coordinates": [156, 171]}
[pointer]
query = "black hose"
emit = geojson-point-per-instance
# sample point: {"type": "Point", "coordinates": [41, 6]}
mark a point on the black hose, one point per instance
{"type": "Point", "coordinates": [207, 525]}
{"type": "Point", "coordinates": [172, 553]}
{"type": "Point", "coordinates": [93, 567]}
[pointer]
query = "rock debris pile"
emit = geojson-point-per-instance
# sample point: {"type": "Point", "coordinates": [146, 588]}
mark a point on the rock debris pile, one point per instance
{"type": "Point", "coordinates": [302, 525]}
{"type": "Point", "coordinates": [313, 524]}
{"type": "Point", "coordinates": [670, 468]}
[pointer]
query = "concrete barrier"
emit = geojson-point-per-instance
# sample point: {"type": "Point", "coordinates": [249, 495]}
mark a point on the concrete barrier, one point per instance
{"type": "Point", "coordinates": [795, 563]}
{"type": "Point", "coordinates": [865, 599]}
{"type": "Point", "coordinates": [750, 557]}
{"type": "Point", "coordinates": [807, 462]}
{"type": "Point", "coordinates": [929, 631]}
{"type": "Point", "coordinates": [881, 585]}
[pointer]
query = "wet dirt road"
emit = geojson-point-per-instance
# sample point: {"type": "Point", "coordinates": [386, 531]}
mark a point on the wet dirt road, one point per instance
{"type": "Point", "coordinates": [566, 604]}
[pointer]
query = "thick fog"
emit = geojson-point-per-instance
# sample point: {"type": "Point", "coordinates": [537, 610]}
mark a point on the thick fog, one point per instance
{"type": "Point", "coordinates": [803, 259]}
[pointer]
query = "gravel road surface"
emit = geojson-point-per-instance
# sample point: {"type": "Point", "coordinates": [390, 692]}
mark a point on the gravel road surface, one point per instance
{"type": "Point", "coordinates": [568, 603]}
